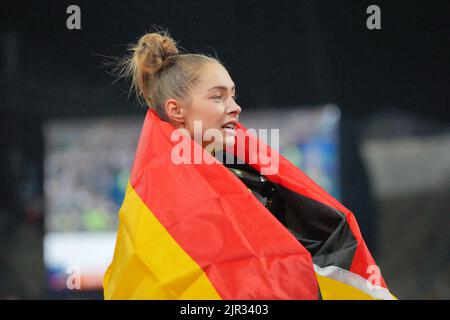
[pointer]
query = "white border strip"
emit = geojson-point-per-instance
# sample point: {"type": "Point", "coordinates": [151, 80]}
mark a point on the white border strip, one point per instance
{"type": "Point", "coordinates": [354, 280]}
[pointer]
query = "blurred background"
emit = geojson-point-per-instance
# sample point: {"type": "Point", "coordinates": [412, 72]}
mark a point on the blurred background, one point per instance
{"type": "Point", "coordinates": [364, 112]}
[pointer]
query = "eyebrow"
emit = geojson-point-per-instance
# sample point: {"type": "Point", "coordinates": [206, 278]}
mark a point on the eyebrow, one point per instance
{"type": "Point", "coordinates": [221, 88]}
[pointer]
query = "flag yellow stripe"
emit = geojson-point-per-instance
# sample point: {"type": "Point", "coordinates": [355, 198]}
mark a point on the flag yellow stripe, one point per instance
{"type": "Point", "coordinates": [148, 263]}
{"type": "Point", "coordinates": [332, 289]}
{"type": "Point", "coordinates": [335, 290]}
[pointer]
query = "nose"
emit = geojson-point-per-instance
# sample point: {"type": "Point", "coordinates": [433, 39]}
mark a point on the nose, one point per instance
{"type": "Point", "coordinates": [234, 109]}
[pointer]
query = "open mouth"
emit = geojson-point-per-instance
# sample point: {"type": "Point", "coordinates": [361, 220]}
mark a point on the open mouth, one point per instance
{"type": "Point", "coordinates": [230, 125]}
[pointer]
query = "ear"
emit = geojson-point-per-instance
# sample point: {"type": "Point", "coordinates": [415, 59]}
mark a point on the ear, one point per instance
{"type": "Point", "coordinates": [175, 111]}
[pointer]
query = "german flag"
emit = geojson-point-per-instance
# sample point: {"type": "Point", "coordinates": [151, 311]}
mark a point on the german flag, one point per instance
{"type": "Point", "coordinates": [194, 231]}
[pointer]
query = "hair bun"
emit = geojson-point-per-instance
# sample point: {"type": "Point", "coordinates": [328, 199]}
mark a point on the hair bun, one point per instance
{"type": "Point", "coordinates": [152, 51]}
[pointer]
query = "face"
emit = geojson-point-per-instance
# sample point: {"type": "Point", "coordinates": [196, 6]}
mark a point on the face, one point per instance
{"type": "Point", "coordinates": [213, 102]}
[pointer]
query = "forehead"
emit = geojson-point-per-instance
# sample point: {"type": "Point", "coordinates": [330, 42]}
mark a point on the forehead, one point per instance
{"type": "Point", "coordinates": [214, 74]}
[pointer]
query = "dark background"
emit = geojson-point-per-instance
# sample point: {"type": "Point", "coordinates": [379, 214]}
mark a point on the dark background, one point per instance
{"type": "Point", "coordinates": [279, 53]}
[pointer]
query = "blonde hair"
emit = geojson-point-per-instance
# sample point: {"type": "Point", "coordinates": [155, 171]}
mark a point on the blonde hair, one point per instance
{"type": "Point", "coordinates": [159, 71]}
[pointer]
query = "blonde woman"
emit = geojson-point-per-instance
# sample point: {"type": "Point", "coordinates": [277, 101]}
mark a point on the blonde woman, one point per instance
{"type": "Point", "coordinates": [215, 230]}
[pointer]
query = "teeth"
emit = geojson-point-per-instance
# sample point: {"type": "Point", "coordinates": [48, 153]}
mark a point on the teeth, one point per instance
{"type": "Point", "coordinates": [230, 126]}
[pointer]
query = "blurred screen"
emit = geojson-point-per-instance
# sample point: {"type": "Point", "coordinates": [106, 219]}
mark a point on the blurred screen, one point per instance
{"type": "Point", "coordinates": [87, 166]}
{"type": "Point", "coordinates": [86, 170]}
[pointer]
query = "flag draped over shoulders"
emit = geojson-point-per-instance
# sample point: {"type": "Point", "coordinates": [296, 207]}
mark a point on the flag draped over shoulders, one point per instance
{"type": "Point", "coordinates": [194, 231]}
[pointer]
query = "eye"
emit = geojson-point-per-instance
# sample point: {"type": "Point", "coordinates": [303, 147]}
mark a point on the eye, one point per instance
{"type": "Point", "coordinates": [217, 97]}
{"type": "Point", "coordinates": [235, 97]}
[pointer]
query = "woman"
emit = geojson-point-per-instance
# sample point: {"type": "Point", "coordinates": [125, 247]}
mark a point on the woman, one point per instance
{"type": "Point", "coordinates": [192, 230]}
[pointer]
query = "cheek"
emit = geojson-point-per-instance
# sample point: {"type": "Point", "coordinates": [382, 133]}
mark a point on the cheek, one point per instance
{"type": "Point", "coordinates": [210, 113]}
